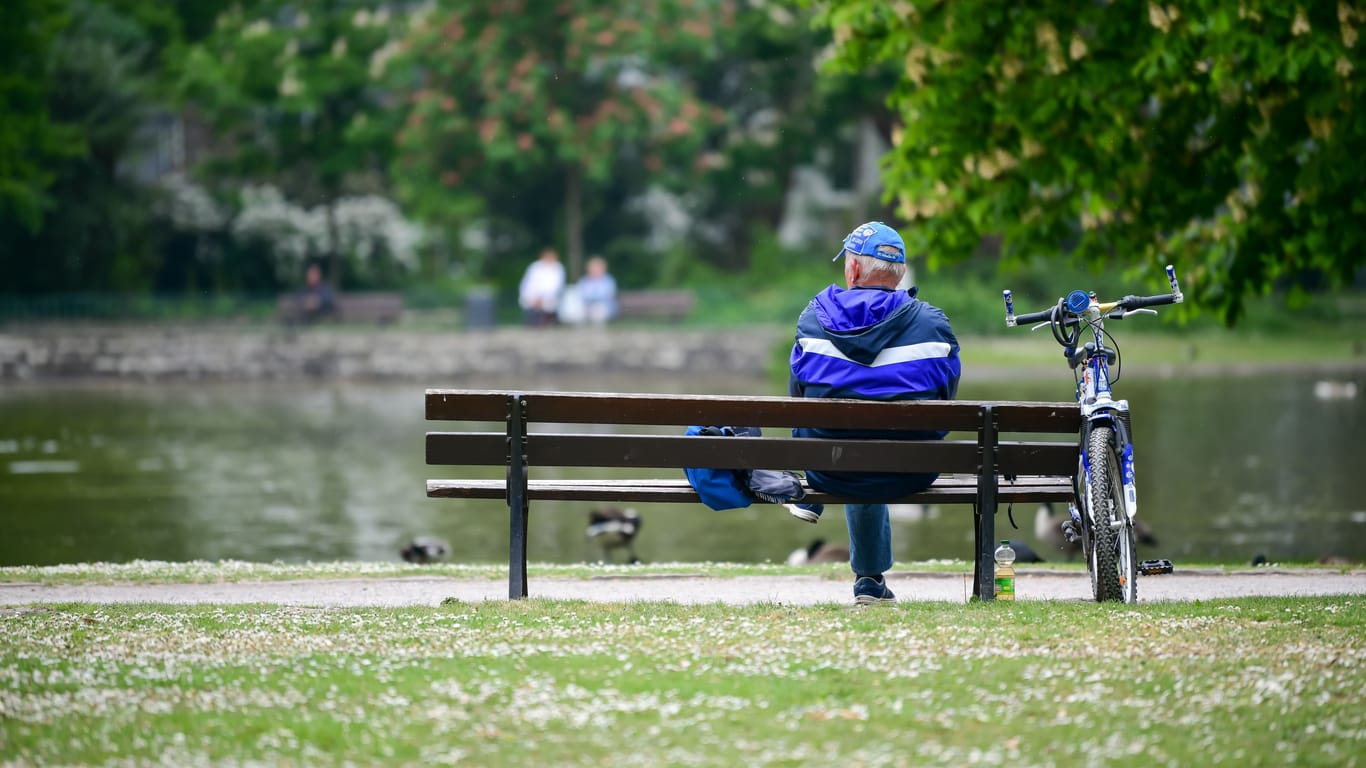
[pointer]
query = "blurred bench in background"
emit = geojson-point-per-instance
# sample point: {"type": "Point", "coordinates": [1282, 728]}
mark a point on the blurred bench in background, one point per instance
{"type": "Point", "coordinates": [381, 307]}
{"type": "Point", "coordinates": [655, 305]}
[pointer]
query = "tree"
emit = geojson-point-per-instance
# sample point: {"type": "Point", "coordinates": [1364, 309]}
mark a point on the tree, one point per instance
{"type": "Point", "coordinates": [782, 117]}
{"type": "Point", "coordinates": [1222, 135]}
{"type": "Point", "coordinates": [31, 142]}
{"type": "Point", "coordinates": [290, 87]}
{"type": "Point", "coordinates": [510, 94]}
{"type": "Point", "coordinates": [90, 226]}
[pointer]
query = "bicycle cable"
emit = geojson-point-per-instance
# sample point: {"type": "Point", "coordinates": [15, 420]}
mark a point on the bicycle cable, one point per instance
{"type": "Point", "coordinates": [1114, 345]}
{"type": "Point", "coordinates": [1062, 333]}
{"type": "Point", "coordinates": [1119, 359]}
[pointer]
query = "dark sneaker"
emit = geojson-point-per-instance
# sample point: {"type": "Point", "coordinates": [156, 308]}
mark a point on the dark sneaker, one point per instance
{"type": "Point", "coordinates": [810, 513]}
{"type": "Point", "coordinates": [872, 590]}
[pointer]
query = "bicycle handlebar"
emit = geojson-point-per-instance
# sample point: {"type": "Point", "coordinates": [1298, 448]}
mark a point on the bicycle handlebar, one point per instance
{"type": "Point", "coordinates": [1033, 317]}
{"type": "Point", "coordinates": [1061, 313]}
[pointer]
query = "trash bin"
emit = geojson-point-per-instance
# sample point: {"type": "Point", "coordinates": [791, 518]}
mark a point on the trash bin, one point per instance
{"type": "Point", "coordinates": [479, 308]}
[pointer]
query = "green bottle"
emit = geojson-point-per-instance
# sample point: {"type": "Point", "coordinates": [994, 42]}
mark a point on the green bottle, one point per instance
{"type": "Point", "coordinates": [1005, 571]}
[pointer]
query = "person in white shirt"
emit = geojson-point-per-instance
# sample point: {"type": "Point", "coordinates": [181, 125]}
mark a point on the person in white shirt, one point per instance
{"type": "Point", "coordinates": [542, 284]}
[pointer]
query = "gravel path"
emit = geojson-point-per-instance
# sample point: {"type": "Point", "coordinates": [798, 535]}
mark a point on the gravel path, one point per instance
{"type": "Point", "coordinates": [793, 590]}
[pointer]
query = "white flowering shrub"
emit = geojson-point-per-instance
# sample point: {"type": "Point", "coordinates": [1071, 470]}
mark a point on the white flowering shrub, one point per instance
{"type": "Point", "coordinates": [290, 232]}
{"type": "Point", "coordinates": [369, 228]}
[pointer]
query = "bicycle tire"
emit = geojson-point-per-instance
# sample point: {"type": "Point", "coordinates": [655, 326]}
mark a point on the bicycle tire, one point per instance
{"type": "Point", "coordinates": [1112, 554]}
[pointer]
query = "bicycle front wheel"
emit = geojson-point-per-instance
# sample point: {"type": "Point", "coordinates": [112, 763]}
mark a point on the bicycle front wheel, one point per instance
{"type": "Point", "coordinates": [1114, 568]}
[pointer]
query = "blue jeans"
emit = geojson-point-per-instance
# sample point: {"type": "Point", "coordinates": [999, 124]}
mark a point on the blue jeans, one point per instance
{"type": "Point", "coordinates": [870, 538]}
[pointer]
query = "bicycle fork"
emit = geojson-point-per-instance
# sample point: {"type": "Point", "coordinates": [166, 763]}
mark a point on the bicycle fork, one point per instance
{"type": "Point", "coordinates": [1118, 421]}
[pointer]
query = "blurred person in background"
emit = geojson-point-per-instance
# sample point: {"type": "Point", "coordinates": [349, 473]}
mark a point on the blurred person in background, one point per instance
{"type": "Point", "coordinates": [541, 287]}
{"type": "Point", "coordinates": [317, 299]}
{"type": "Point", "coordinates": [597, 292]}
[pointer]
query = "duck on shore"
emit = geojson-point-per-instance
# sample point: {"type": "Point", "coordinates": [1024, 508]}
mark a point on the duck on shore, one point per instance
{"type": "Point", "coordinates": [614, 529]}
{"type": "Point", "coordinates": [818, 551]}
{"type": "Point", "coordinates": [424, 549]}
{"type": "Point", "coordinates": [1048, 530]}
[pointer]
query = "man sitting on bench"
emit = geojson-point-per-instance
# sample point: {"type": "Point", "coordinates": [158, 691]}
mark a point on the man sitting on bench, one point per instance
{"type": "Point", "coordinates": [317, 299]}
{"type": "Point", "coordinates": [871, 341]}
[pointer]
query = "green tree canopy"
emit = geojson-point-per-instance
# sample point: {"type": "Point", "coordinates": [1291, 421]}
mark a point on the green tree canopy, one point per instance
{"type": "Point", "coordinates": [512, 92]}
{"type": "Point", "coordinates": [289, 86]}
{"type": "Point", "coordinates": [31, 141]}
{"type": "Point", "coordinates": [1222, 135]}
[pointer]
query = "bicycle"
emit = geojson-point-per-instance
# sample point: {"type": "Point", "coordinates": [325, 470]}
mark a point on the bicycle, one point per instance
{"type": "Point", "coordinates": [1105, 498]}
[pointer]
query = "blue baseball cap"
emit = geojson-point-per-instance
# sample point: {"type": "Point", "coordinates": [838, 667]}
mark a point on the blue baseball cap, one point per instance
{"type": "Point", "coordinates": [866, 238]}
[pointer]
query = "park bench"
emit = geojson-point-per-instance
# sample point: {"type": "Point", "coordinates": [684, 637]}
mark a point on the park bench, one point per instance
{"type": "Point", "coordinates": [980, 469]}
{"type": "Point", "coordinates": [381, 307]}
{"type": "Point", "coordinates": [655, 304]}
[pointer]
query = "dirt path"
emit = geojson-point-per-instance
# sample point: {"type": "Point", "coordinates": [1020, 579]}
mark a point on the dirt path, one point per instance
{"type": "Point", "coordinates": [793, 590]}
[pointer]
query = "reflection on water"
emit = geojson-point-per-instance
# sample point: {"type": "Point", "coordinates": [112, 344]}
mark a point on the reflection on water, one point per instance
{"type": "Point", "coordinates": [336, 472]}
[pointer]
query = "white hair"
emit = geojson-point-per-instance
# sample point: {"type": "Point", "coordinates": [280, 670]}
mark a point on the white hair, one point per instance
{"type": "Point", "coordinates": [880, 270]}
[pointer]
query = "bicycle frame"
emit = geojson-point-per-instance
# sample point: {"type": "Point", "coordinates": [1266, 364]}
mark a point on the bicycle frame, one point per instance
{"type": "Point", "coordinates": [1106, 494]}
{"type": "Point", "coordinates": [1098, 406]}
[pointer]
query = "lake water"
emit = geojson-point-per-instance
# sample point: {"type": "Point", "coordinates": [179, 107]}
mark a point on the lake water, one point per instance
{"type": "Point", "coordinates": [261, 472]}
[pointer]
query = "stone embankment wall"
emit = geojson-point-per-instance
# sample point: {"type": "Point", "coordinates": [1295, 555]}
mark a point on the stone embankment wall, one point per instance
{"type": "Point", "coordinates": [160, 353]}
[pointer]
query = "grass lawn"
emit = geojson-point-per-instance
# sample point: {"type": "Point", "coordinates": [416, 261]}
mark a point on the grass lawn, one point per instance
{"type": "Point", "coordinates": [1238, 682]}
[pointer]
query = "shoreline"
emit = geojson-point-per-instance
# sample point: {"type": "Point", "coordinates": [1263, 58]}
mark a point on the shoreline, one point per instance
{"type": "Point", "coordinates": [47, 355]}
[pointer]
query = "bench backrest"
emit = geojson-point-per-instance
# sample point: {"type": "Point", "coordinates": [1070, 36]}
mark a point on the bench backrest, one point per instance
{"type": "Point", "coordinates": [632, 446]}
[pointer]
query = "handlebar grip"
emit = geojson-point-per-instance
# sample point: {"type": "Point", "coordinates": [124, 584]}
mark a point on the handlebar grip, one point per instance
{"type": "Point", "coordinates": [1139, 302]}
{"type": "Point", "coordinates": [1034, 317]}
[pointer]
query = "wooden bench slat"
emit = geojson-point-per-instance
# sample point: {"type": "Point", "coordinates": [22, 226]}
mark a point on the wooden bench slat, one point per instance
{"type": "Point", "coordinates": [558, 450]}
{"type": "Point", "coordinates": [683, 410]}
{"type": "Point", "coordinates": [575, 450]}
{"type": "Point", "coordinates": [1036, 458]}
{"type": "Point", "coordinates": [949, 489]}
{"type": "Point", "coordinates": [466, 405]}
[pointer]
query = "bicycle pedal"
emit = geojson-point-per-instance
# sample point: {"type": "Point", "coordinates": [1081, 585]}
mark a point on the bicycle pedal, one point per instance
{"type": "Point", "coordinates": [1153, 567]}
{"type": "Point", "coordinates": [1070, 532]}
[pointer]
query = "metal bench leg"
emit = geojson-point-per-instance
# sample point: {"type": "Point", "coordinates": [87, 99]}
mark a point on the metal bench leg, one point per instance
{"type": "Point", "coordinates": [518, 504]}
{"type": "Point", "coordinates": [984, 567]}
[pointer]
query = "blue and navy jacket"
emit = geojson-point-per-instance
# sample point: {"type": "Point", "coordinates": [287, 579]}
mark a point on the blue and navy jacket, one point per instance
{"type": "Point", "coordinates": [873, 344]}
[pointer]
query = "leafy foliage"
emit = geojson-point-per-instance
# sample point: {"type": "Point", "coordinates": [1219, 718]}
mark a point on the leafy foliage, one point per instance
{"type": "Point", "coordinates": [31, 141]}
{"type": "Point", "coordinates": [785, 117]}
{"type": "Point", "coordinates": [82, 219]}
{"type": "Point", "coordinates": [515, 97]}
{"type": "Point", "coordinates": [1223, 135]}
{"type": "Point", "coordinates": [290, 88]}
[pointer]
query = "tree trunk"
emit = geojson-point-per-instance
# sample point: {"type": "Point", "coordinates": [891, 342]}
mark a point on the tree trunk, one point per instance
{"type": "Point", "coordinates": [334, 260]}
{"type": "Point", "coordinates": [573, 215]}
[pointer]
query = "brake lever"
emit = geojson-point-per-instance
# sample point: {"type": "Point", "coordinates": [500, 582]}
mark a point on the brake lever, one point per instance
{"type": "Point", "coordinates": [1044, 324]}
{"type": "Point", "coordinates": [1125, 313]}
